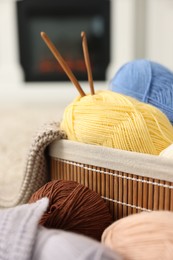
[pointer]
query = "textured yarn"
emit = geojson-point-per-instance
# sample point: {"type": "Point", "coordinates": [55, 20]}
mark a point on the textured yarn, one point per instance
{"type": "Point", "coordinates": [142, 236]}
{"type": "Point", "coordinates": [148, 82]}
{"type": "Point", "coordinates": [118, 121]}
{"type": "Point", "coordinates": [74, 207]}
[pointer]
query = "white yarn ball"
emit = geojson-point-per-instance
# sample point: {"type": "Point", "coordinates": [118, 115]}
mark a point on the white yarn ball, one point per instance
{"type": "Point", "coordinates": [168, 152]}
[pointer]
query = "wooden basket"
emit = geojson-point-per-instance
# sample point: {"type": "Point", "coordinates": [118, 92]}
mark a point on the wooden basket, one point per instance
{"type": "Point", "coordinates": [129, 182]}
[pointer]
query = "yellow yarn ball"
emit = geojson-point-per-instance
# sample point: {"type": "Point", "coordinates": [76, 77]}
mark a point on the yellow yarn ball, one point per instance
{"type": "Point", "coordinates": [118, 121]}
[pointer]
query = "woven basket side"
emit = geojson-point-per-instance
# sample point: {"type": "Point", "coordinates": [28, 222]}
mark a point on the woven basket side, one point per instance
{"type": "Point", "coordinates": [124, 193]}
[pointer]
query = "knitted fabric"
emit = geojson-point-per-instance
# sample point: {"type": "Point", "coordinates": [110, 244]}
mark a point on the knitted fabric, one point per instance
{"type": "Point", "coordinates": [36, 170]}
{"type": "Point", "coordinates": [21, 238]}
{"type": "Point", "coordinates": [65, 245]}
{"type": "Point", "coordinates": [18, 230]}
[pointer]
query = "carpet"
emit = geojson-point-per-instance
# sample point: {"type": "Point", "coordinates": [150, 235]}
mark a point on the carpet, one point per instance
{"type": "Point", "coordinates": [18, 126]}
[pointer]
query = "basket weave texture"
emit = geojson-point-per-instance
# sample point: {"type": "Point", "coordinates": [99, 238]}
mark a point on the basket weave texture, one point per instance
{"type": "Point", "coordinates": [124, 192]}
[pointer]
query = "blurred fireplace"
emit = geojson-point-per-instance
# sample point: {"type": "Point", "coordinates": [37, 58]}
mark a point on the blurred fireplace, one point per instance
{"type": "Point", "coordinates": [63, 21]}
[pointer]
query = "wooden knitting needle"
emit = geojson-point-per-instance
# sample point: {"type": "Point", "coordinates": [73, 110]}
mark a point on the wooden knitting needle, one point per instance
{"type": "Point", "coordinates": [87, 61]}
{"type": "Point", "coordinates": [62, 62]}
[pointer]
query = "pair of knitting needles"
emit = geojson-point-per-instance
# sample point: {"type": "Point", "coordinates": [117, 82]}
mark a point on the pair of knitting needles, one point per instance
{"type": "Point", "coordinates": [65, 66]}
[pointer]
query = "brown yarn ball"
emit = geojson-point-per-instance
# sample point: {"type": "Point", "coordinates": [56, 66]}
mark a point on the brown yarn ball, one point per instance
{"type": "Point", "coordinates": [73, 207]}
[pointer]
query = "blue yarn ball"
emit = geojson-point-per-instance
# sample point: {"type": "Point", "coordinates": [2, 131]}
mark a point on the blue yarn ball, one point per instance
{"type": "Point", "coordinates": [148, 82]}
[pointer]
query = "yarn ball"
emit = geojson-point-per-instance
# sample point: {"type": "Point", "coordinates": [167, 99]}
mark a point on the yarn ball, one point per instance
{"type": "Point", "coordinates": [73, 207]}
{"type": "Point", "coordinates": [65, 245]}
{"type": "Point", "coordinates": [148, 82]}
{"type": "Point", "coordinates": [117, 121]}
{"type": "Point", "coordinates": [142, 236]}
{"type": "Point", "coordinates": [168, 152]}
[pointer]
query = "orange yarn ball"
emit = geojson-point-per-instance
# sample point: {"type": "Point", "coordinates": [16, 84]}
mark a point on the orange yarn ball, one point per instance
{"type": "Point", "coordinates": [74, 207]}
{"type": "Point", "coordinates": [142, 236]}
